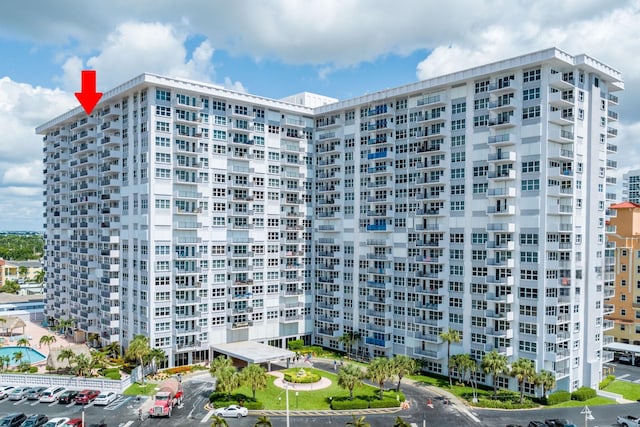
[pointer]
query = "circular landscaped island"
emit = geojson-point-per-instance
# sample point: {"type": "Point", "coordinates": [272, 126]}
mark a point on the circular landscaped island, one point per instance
{"type": "Point", "coordinates": [301, 376]}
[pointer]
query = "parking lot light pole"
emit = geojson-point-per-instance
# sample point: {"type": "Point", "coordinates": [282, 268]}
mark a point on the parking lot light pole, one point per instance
{"type": "Point", "coordinates": [286, 387]}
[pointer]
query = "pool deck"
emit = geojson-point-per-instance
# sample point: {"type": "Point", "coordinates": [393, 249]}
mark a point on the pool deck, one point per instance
{"type": "Point", "coordinates": [34, 332]}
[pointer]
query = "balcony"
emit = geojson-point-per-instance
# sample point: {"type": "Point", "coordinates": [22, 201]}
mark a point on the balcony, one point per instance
{"type": "Point", "coordinates": [377, 342]}
{"type": "Point", "coordinates": [502, 175]}
{"type": "Point", "coordinates": [501, 192]}
{"type": "Point", "coordinates": [502, 157]}
{"type": "Point", "coordinates": [429, 354]}
{"type": "Point", "coordinates": [563, 117]}
{"type": "Point", "coordinates": [502, 210]}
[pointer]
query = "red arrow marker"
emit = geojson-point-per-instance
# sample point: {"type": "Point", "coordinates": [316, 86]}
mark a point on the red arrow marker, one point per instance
{"type": "Point", "coordinates": [88, 97]}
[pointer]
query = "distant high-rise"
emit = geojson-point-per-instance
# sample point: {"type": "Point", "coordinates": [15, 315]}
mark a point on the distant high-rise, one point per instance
{"type": "Point", "coordinates": [631, 186]}
{"type": "Point", "coordinates": [474, 201]}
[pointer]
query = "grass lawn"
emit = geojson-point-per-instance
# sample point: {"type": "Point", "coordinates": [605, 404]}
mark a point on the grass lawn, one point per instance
{"type": "Point", "coordinates": [596, 401]}
{"type": "Point", "coordinates": [135, 389]}
{"type": "Point", "coordinates": [274, 397]}
{"type": "Point", "coordinates": [627, 389]}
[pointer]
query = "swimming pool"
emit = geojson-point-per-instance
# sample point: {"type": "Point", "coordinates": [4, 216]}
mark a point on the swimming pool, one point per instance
{"type": "Point", "coordinates": [28, 354]}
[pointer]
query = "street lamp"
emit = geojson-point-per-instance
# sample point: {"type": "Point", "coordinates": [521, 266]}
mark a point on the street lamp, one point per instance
{"type": "Point", "coordinates": [587, 415]}
{"type": "Point", "coordinates": [286, 388]}
{"type": "Point", "coordinates": [297, 400]}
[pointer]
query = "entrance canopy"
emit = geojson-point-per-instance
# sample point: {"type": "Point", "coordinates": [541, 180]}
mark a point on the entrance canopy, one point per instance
{"type": "Point", "coordinates": [622, 347]}
{"type": "Point", "coordinates": [253, 352]}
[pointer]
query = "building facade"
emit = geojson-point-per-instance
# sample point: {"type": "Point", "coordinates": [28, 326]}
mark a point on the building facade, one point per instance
{"type": "Point", "coordinates": [623, 293]}
{"type": "Point", "coordinates": [474, 200]}
{"type": "Point", "coordinates": [631, 186]}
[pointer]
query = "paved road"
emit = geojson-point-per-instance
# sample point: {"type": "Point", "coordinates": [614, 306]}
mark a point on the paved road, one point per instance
{"type": "Point", "coordinates": [625, 372]}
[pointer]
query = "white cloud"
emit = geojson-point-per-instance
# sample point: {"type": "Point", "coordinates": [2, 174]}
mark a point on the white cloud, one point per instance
{"type": "Point", "coordinates": [29, 174]}
{"type": "Point", "coordinates": [137, 47]}
{"type": "Point", "coordinates": [236, 86]}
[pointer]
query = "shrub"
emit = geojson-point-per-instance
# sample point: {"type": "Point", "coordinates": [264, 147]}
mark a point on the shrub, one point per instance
{"type": "Point", "coordinates": [341, 405]}
{"type": "Point", "coordinates": [33, 369]}
{"type": "Point", "coordinates": [308, 378]}
{"type": "Point", "coordinates": [384, 403]}
{"type": "Point", "coordinates": [178, 370]}
{"type": "Point", "coordinates": [295, 345]}
{"type": "Point", "coordinates": [113, 375]}
{"type": "Point", "coordinates": [558, 397]}
{"type": "Point", "coordinates": [254, 406]}
{"type": "Point", "coordinates": [483, 402]}
{"type": "Point", "coordinates": [605, 382]}
{"type": "Point", "coordinates": [583, 393]}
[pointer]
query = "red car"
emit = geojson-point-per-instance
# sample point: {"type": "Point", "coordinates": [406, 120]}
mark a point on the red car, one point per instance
{"type": "Point", "coordinates": [87, 396]}
{"type": "Point", "coordinates": [74, 422]}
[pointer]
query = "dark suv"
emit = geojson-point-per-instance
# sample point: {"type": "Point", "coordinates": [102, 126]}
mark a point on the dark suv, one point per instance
{"type": "Point", "coordinates": [13, 420]}
{"type": "Point", "coordinates": [559, 422]}
{"type": "Point", "coordinates": [536, 424]}
{"type": "Point", "coordinates": [35, 420]}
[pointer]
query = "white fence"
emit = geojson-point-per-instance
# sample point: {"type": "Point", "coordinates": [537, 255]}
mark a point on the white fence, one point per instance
{"type": "Point", "coordinates": [33, 380]}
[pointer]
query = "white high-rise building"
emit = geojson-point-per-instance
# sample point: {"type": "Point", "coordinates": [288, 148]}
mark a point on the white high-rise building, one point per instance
{"type": "Point", "coordinates": [631, 186]}
{"type": "Point", "coordinates": [473, 201]}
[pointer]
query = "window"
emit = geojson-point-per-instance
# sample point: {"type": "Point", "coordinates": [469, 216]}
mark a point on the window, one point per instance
{"type": "Point", "coordinates": [530, 184]}
{"type": "Point", "coordinates": [531, 112]}
{"type": "Point", "coordinates": [458, 124]}
{"type": "Point", "coordinates": [457, 173]}
{"type": "Point", "coordinates": [163, 95]}
{"type": "Point", "coordinates": [533, 93]}
{"type": "Point", "coordinates": [532, 166]}
{"type": "Point", "coordinates": [458, 108]}
{"type": "Point", "coordinates": [481, 104]}
{"type": "Point", "coordinates": [531, 75]}
{"type": "Point", "coordinates": [482, 86]}
{"type": "Point", "coordinates": [481, 120]}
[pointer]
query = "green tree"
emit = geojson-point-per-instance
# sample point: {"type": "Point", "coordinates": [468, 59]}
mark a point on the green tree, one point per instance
{"type": "Point", "coordinates": [495, 364]}
{"type": "Point", "coordinates": [350, 377]}
{"type": "Point", "coordinates": [65, 324]}
{"type": "Point", "coordinates": [98, 360]}
{"type": "Point", "coordinates": [67, 354]}
{"type": "Point", "coordinates": [523, 370]}
{"type": "Point", "coordinates": [227, 380]}
{"type": "Point", "coordinates": [450, 336]}
{"type": "Point", "coordinates": [18, 356]}
{"type": "Point", "coordinates": [39, 276]}
{"type": "Point", "coordinates": [93, 339]}
{"type": "Point", "coordinates": [218, 421]}
{"type": "Point", "coordinates": [156, 357]}
{"type": "Point", "coordinates": [399, 422]}
{"type": "Point", "coordinates": [379, 371]}
{"type": "Point", "coordinates": [23, 342]}
{"type": "Point", "coordinates": [219, 364]}
{"type": "Point", "coordinates": [6, 361]}
{"type": "Point", "coordinates": [358, 422]}
{"type": "Point", "coordinates": [547, 380]}
{"type": "Point", "coordinates": [22, 271]}
{"type": "Point", "coordinates": [10, 287]}
{"type": "Point", "coordinates": [81, 365]}
{"type": "Point", "coordinates": [138, 350]}
{"type": "Point", "coordinates": [113, 349]}
{"type": "Point", "coordinates": [402, 366]}
{"type": "Point", "coordinates": [254, 376]}
{"type": "Point", "coordinates": [263, 421]}
{"type": "Point", "coordinates": [465, 364]}
{"type": "Point", "coordinates": [48, 340]}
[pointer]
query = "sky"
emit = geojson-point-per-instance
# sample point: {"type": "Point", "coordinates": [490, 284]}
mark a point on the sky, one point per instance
{"type": "Point", "coordinates": [337, 48]}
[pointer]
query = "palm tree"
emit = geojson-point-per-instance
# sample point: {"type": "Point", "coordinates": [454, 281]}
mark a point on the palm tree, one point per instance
{"type": "Point", "coordinates": [465, 364]}
{"type": "Point", "coordinates": [523, 370]}
{"type": "Point", "coordinates": [399, 422]}
{"type": "Point", "coordinates": [217, 421]}
{"type": "Point", "coordinates": [113, 349]}
{"type": "Point", "coordinates": [138, 350]}
{"type": "Point", "coordinates": [495, 364]}
{"type": "Point", "coordinates": [93, 339]}
{"type": "Point", "coordinates": [6, 361]}
{"type": "Point", "coordinates": [350, 377]}
{"type": "Point", "coordinates": [48, 340]}
{"type": "Point", "coordinates": [263, 421]}
{"type": "Point", "coordinates": [227, 380]}
{"type": "Point", "coordinates": [358, 422]}
{"type": "Point", "coordinates": [22, 271]}
{"type": "Point", "coordinates": [39, 276]}
{"type": "Point", "coordinates": [401, 366]}
{"type": "Point", "coordinates": [255, 376]}
{"type": "Point", "coordinates": [23, 342]}
{"type": "Point", "coordinates": [65, 324]}
{"type": "Point", "coordinates": [547, 380]}
{"type": "Point", "coordinates": [450, 336]}
{"type": "Point", "coordinates": [219, 364]}
{"type": "Point", "coordinates": [156, 357]}
{"type": "Point", "coordinates": [379, 371]}
{"type": "Point", "coordinates": [17, 357]}
{"type": "Point", "coordinates": [98, 360]}
{"type": "Point", "coordinates": [66, 354]}
{"type": "Point", "coordinates": [82, 365]}
{"type": "Point", "coordinates": [453, 366]}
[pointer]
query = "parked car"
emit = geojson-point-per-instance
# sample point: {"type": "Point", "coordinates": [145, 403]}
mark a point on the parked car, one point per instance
{"type": "Point", "coordinates": [100, 424]}
{"type": "Point", "coordinates": [5, 390]}
{"type": "Point", "coordinates": [68, 396]}
{"type": "Point", "coordinates": [105, 398]}
{"type": "Point", "coordinates": [13, 420]}
{"type": "Point", "coordinates": [51, 394]}
{"type": "Point", "coordinates": [232, 411]}
{"type": "Point", "coordinates": [87, 396]}
{"type": "Point", "coordinates": [74, 422]}
{"type": "Point", "coordinates": [18, 393]}
{"type": "Point", "coordinates": [536, 424]}
{"type": "Point", "coordinates": [624, 360]}
{"type": "Point", "coordinates": [34, 393]}
{"type": "Point", "coordinates": [57, 422]}
{"type": "Point", "coordinates": [35, 420]}
{"type": "Point", "coordinates": [559, 422]}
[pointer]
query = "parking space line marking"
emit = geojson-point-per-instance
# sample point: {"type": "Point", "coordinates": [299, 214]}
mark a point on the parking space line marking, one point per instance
{"type": "Point", "coordinates": [127, 424]}
{"type": "Point", "coordinates": [623, 376]}
{"type": "Point", "coordinates": [206, 417]}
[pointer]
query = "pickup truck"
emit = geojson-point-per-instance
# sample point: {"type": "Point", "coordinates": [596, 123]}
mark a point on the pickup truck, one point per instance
{"type": "Point", "coordinates": [628, 421]}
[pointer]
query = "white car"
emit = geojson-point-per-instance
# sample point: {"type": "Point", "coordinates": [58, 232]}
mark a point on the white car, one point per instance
{"type": "Point", "coordinates": [105, 398]}
{"type": "Point", "coordinates": [51, 394]}
{"type": "Point", "coordinates": [5, 390]}
{"type": "Point", "coordinates": [233, 411]}
{"type": "Point", "coordinates": [56, 422]}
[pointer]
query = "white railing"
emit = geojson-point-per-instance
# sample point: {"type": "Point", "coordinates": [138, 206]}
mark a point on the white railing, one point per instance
{"type": "Point", "coordinates": [67, 381]}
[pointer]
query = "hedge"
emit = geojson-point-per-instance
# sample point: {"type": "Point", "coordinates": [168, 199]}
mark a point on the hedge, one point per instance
{"type": "Point", "coordinates": [558, 397]}
{"type": "Point", "coordinates": [308, 378]}
{"type": "Point", "coordinates": [384, 403]}
{"type": "Point", "coordinates": [583, 393]}
{"type": "Point", "coordinates": [222, 400]}
{"type": "Point", "coordinates": [605, 382]}
{"type": "Point", "coordinates": [338, 405]}
{"type": "Point", "coordinates": [178, 370]}
{"type": "Point", "coordinates": [483, 402]}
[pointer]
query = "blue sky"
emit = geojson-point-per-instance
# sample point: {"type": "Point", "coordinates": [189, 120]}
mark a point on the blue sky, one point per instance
{"type": "Point", "coordinates": [336, 48]}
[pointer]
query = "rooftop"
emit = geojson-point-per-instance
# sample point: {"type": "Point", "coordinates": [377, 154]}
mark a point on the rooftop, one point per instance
{"type": "Point", "coordinates": [253, 352]}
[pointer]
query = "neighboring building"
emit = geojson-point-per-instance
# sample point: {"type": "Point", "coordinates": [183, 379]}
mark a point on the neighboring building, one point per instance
{"type": "Point", "coordinates": [622, 273]}
{"type": "Point", "coordinates": [631, 186]}
{"type": "Point", "coordinates": [474, 200]}
{"type": "Point", "coordinates": [2, 264]}
{"type": "Point", "coordinates": [25, 307]}
{"type": "Point", "coordinates": [23, 271]}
